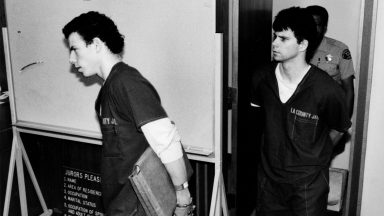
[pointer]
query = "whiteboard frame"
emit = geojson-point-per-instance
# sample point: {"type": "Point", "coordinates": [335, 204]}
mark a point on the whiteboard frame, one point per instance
{"type": "Point", "coordinates": [96, 138]}
{"type": "Point", "coordinates": [199, 136]}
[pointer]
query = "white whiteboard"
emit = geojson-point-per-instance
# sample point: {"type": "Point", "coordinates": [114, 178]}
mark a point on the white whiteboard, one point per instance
{"type": "Point", "coordinates": [171, 42]}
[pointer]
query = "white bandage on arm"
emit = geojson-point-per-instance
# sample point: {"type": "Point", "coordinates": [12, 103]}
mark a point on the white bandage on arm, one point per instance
{"type": "Point", "coordinates": [164, 139]}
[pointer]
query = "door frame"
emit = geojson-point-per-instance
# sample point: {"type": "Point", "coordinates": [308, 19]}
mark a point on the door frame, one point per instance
{"type": "Point", "coordinates": [359, 136]}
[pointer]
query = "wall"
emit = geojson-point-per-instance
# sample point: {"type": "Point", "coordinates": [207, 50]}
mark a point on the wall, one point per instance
{"type": "Point", "coordinates": [373, 188]}
{"type": "Point", "coordinates": [3, 77]}
{"type": "Point", "coordinates": [343, 25]}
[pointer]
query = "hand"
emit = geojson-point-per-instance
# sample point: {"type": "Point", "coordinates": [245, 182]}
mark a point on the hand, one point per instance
{"type": "Point", "coordinates": [184, 205]}
{"type": "Point", "coordinates": [183, 197]}
{"type": "Point", "coordinates": [184, 210]}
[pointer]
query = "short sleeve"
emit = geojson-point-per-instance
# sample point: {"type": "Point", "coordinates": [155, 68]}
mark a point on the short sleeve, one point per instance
{"type": "Point", "coordinates": [141, 98]}
{"type": "Point", "coordinates": [335, 110]}
{"type": "Point", "coordinates": [346, 64]}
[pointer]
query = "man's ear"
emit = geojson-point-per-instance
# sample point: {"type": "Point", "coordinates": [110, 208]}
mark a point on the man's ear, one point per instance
{"type": "Point", "coordinates": [303, 45]}
{"type": "Point", "coordinates": [98, 43]}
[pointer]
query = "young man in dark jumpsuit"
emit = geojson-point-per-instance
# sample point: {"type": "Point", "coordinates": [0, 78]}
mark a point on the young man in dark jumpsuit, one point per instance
{"type": "Point", "coordinates": [130, 113]}
{"type": "Point", "coordinates": [305, 114]}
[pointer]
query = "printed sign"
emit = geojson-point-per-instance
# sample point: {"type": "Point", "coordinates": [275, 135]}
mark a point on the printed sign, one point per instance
{"type": "Point", "coordinates": [82, 193]}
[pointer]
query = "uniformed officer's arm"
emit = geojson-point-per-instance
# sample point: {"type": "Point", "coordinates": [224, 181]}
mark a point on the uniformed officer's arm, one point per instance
{"type": "Point", "coordinates": [347, 73]}
{"type": "Point", "coordinates": [164, 139]}
{"type": "Point", "coordinates": [348, 87]}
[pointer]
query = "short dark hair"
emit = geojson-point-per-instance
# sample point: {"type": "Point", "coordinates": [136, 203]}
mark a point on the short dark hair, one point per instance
{"type": "Point", "coordinates": [302, 25]}
{"type": "Point", "coordinates": [316, 10]}
{"type": "Point", "coordinates": [94, 24]}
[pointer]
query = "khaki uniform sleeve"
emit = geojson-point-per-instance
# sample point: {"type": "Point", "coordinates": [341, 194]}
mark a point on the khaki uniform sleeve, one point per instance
{"type": "Point", "coordinates": [346, 64]}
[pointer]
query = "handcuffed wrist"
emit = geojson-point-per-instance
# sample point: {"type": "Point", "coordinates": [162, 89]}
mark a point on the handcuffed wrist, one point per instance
{"type": "Point", "coordinates": [182, 186]}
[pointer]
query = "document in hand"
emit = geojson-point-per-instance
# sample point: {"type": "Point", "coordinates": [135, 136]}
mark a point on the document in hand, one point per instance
{"type": "Point", "coordinates": [153, 186]}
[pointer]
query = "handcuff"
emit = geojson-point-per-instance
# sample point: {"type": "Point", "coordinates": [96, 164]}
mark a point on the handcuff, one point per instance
{"type": "Point", "coordinates": [185, 209]}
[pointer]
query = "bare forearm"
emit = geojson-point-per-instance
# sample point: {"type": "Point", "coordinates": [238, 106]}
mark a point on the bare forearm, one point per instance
{"type": "Point", "coordinates": [349, 89]}
{"type": "Point", "coordinates": [164, 139]}
{"type": "Point", "coordinates": [350, 103]}
{"type": "Point", "coordinates": [177, 171]}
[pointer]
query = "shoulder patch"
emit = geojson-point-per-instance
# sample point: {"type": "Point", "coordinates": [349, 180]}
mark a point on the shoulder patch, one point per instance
{"type": "Point", "coordinates": [346, 54]}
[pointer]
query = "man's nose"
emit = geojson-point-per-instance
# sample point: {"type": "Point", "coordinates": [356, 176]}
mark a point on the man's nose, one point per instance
{"type": "Point", "coordinates": [72, 58]}
{"type": "Point", "coordinates": [274, 43]}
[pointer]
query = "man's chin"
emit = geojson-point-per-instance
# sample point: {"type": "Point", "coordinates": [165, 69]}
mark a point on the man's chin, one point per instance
{"type": "Point", "coordinates": [87, 75]}
{"type": "Point", "coordinates": [276, 59]}
{"type": "Point", "coordinates": [84, 73]}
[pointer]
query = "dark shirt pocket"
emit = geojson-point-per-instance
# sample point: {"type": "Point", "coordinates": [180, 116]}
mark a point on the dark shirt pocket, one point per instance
{"type": "Point", "coordinates": [303, 130]}
{"type": "Point", "coordinates": [111, 144]}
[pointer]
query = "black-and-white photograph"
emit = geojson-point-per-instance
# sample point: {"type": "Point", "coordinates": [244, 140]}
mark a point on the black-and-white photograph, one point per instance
{"type": "Point", "coordinates": [191, 108]}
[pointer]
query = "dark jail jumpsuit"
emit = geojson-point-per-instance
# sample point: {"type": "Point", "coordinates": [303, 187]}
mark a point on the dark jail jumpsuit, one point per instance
{"type": "Point", "coordinates": [126, 102]}
{"type": "Point", "coordinates": [296, 149]}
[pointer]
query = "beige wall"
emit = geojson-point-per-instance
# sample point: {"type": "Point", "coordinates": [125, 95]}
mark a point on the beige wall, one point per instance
{"type": "Point", "coordinates": [343, 25]}
{"type": "Point", "coordinates": [373, 181]}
